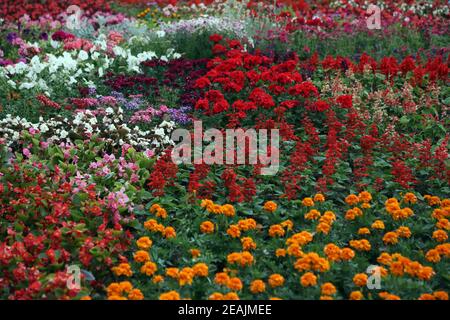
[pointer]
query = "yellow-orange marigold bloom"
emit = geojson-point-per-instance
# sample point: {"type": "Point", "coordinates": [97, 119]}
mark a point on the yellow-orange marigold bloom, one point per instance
{"type": "Point", "coordinates": [257, 286]}
{"type": "Point", "coordinates": [308, 279]}
{"type": "Point", "coordinates": [144, 243]}
{"type": "Point", "coordinates": [216, 296]}
{"type": "Point", "coordinates": [365, 196]}
{"type": "Point", "coordinates": [361, 245]}
{"type": "Point", "coordinates": [114, 297]}
{"type": "Point", "coordinates": [410, 198]}
{"type": "Point", "coordinates": [432, 200]}
{"type": "Point", "coordinates": [228, 210]}
{"type": "Point", "coordinates": [135, 294]}
{"type": "Point", "coordinates": [425, 273]}
{"type": "Point", "coordinates": [326, 298]}
{"type": "Point", "coordinates": [185, 276]}
{"type": "Point", "coordinates": [221, 278]}
{"type": "Point", "coordinates": [234, 231]}
{"type": "Point", "coordinates": [312, 214]}
{"type": "Point", "coordinates": [157, 279]}
{"type": "Point", "coordinates": [385, 258]}
{"type": "Point", "coordinates": [433, 256]}
{"type": "Point", "coordinates": [276, 230]}
{"type": "Point", "coordinates": [280, 252]}
{"type": "Point", "coordinates": [149, 268]}
{"type": "Point", "coordinates": [288, 224]}
{"type": "Point", "coordinates": [332, 251]}
{"type": "Point", "coordinates": [363, 231]}
{"type": "Point", "coordinates": [125, 286]}
{"type": "Point", "coordinates": [356, 295]}
{"type": "Point", "coordinates": [426, 296]}
{"type": "Point", "coordinates": [440, 235]}
{"type": "Point", "coordinates": [86, 298]}
{"type": "Point", "coordinates": [323, 228]}
{"type": "Point", "coordinates": [169, 232]}
{"type": "Point", "coordinates": [270, 206]}
{"type": "Point", "coordinates": [365, 205]}
{"type": "Point", "coordinates": [440, 295]}
{"type": "Point", "coordinates": [378, 224]}
{"type": "Point", "coordinates": [171, 295]}
{"type": "Point", "coordinates": [234, 284]}
{"type": "Point", "coordinates": [352, 199]}
{"type": "Point", "coordinates": [390, 238]}
{"type": "Point", "coordinates": [153, 226]}
{"type": "Point", "coordinates": [403, 232]}
{"type": "Point", "coordinates": [360, 279]}
{"type": "Point", "coordinates": [123, 269]}
{"type": "Point", "coordinates": [155, 207]}
{"type": "Point", "coordinates": [444, 249]}
{"type": "Point", "coordinates": [231, 296]}
{"type": "Point", "coordinates": [443, 224]}
{"type": "Point", "coordinates": [114, 289]}
{"type": "Point", "coordinates": [248, 243]}
{"type": "Point", "coordinates": [347, 254]}
{"type": "Point", "coordinates": [308, 202]}
{"type": "Point", "coordinates": [328, 289]}
{"type": "Point", "coordinates": [172, 272]}
{"type": "Point", "coordinates": [200, 270]}
{"type": "Point", "coordinates": [207, 227]}
{"type": "Point", "coordinates": [195, 253]}
{"type": "Point", "coordinates": [161, 213]}
{"type": "Point", "coordinates": [276, 280]}
{"type": "Point", "coordinates": [319, 197]}
{"type": "Point", "coordinates": [247, 224]}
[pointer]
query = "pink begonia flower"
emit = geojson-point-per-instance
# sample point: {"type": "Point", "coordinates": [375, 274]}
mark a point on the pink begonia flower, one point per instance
{"type": "Point", "coordinates": [164, 108]}
{"type": "Point", "coordinates": [26, 153]}
{"type": "Point", "coordinates": [149, 153]}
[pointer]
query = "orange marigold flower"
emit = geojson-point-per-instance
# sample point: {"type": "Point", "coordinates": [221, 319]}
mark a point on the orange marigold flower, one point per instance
{"type": "Point", "coordinates": [231, 296]}
{"type": "Point", "coordinates": [319, 197]}
{"type": "Point", "coordinates": [195, 253]}
{"type": "Point", "coordinates": [234, 231]}
{"type": "Point", "coordinates": [185, 276]}
{"type": "Point", "coordinates": [141, 256]}
{"type": "Point", "coordinates": [153, 226]}
{"type": "Point", "coordinates": [135, 294]}
{"type": "Point", "coordinates": [155, 207]}
{"type": "Point", "coordinates": [171, 295]}
{"type": "Point", "coordinates": [157, 279]}
{"type": "Point", "coordinates": [390, 238]}
{"type": "Point", "coordinates": [360, 279]}
{"type": "Point", "coordinates": [363, 231]}
{"type": "Point", "coordinates": [427, 296]}
{"type": "Point", "coordinates": [276, 280]}
{"type": "Point", "coordinates": [440, 295]}
{"type": "Point", "coordinates": [161, 213]}
{"type": "Point", "coordinates": [365, 205]}
{"type": "Point", "coordinates": [308, 279]}
{"type": "Point", "coordinates": [149, 268]}
{"type": "Point", "coordinates": [328, 289]}
{"type": "Point", "coordinates": [216, 296]}
{"type": "Point", "coordinates": [270, 206]}
{"type": "Point", "coordinates": [280, 252]}
{"type": "Point", "coordinates": [440, 235]}
{"type": "Point", "coordinates": [144, 243]}
{"type": "Point", "coordinates": [347, 254]}
{"type": "Point", "coordinates": [356, 295]}
{"type": "Point", "coordinates": [288, 224]}
{"type": "Point", "coordinates": [312, 215]}
{"type": "Point", "coordinates": [323, 228]}
{"type": "Point", "coordinates": [433, 256]}
{"type": "Point", "coordinates": [207, 227]}
{"type": "Point", "coordinates": [257, 286]}
{"type": "Point", "coordinates": [352, 199]}
{"type": "Point", "coordinates": [385, 258]}
{"type": "Point", "coordinates": [326, 298]}
{"type": "Point", "coordinates": [221, 278]}
{"type": "Point", "coordinates": [378, 224]}
{"type": "Point", "coordinates": [276, 230]}
{"type": "Point", "coordinates": [443, 224]}
{"type": "Point", "coordinates": [228, 210]}
{"type": "Point", "coordinates": [200, 270]}
{"type": "Point", "coordinates": [365, 196]}
{"type": "Point", "coordinates": [172, 272]}
{"type": "Point", "coordinates": [332, 251]}
{"type": "Point", "coordinates": [234, 284]}
{"type": "Point", "coordinates": [247, 224]}
{"type": "Point", "coordinates": [248, 243]}
{"type": "Point", "coordinates": [425, 273]}
{"type": "Point", "coordinates": [403, 232]}
{"type": "Point", "coordinates": [308, 202]}
{"type": "Point", "coordinates": [169, 232]}
{"type": "Point", "coordinates": [86, 298]}
{"type": "Point", "coordinates": [410, 198]}
{"type": "Point", "coordinates": [123, 269]}
{"type": "Point", "coordinates": [361, 245]}
{"type": "Point", "coordinates": [114, 289]}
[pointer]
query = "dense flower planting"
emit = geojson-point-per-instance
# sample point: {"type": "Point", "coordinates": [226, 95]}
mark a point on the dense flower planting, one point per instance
{"type": "Point", "coordinates": [359, 208]}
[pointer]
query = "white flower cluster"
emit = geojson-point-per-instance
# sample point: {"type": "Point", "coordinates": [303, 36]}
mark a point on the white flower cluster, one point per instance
{"type": "Point", "coordinates": [74, 67]}
{"type": "Point", "coordinates": [108, 126]}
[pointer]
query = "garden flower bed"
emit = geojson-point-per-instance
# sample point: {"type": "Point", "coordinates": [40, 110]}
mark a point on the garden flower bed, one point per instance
{"type": "Point", "coordinates": [94, 96]}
